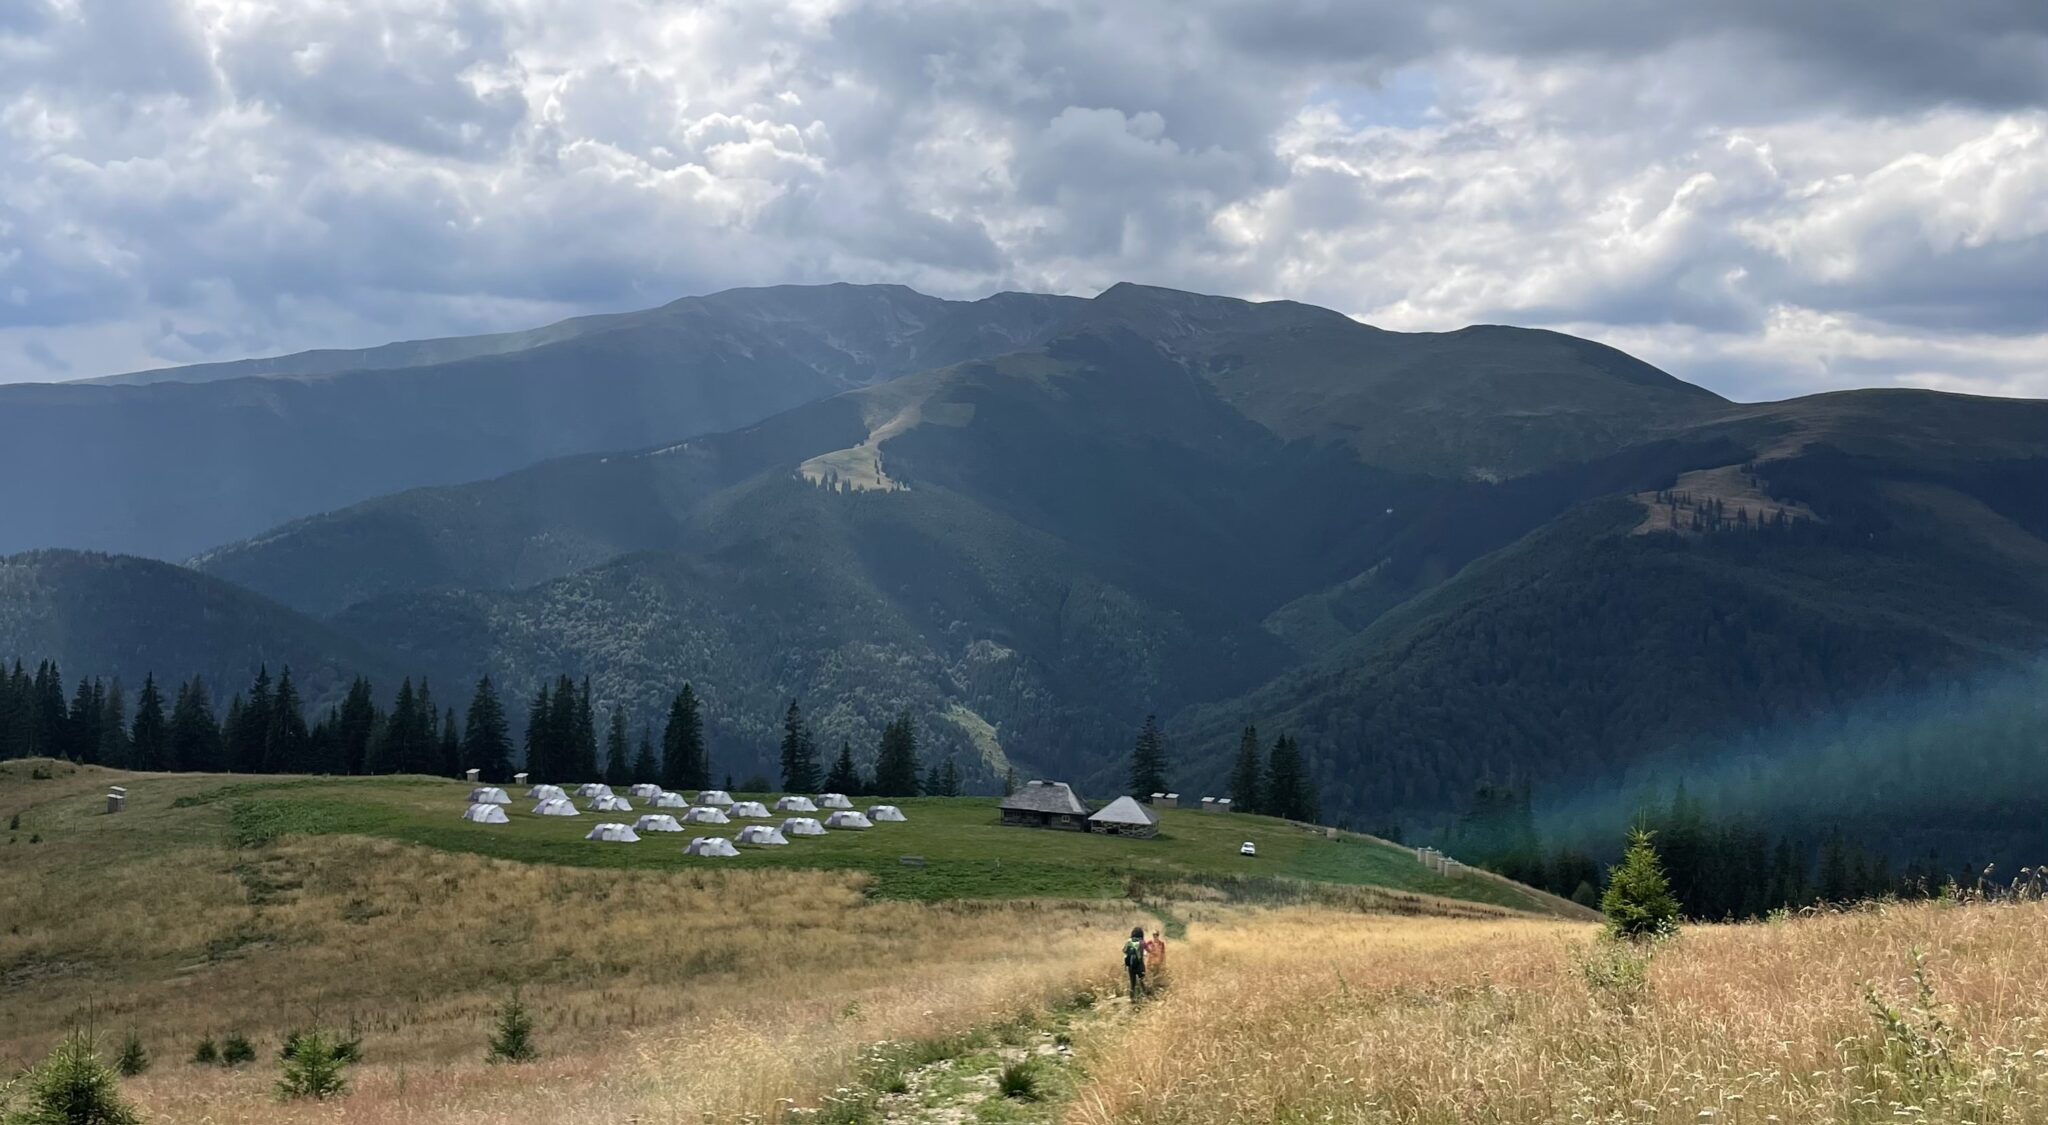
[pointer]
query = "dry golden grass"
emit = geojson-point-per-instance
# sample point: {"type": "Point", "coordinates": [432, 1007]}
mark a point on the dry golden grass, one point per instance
{"type": "Point", "coordinates": [660, 997]}
{"type": "Point", "coordinates": [1303, 1017]}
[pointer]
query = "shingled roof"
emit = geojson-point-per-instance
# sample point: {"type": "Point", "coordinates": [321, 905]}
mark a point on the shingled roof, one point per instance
{"type": "Point", "coordinates": [1055, 797]}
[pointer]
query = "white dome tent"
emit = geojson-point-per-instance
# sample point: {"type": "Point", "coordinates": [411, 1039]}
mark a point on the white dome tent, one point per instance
{"type": "Point", "coordinates": [834, 801]}
{"type": "Point", "coordinates": [645, 791]}
{"type": "Point", "coordinates": [543, 792]}
{"type": "Point", "coordinates": [763, 835]}
{"type": "Point", "coordinates": [556, 806]}
{"type": "Point", "coordinates": [802, 826]}
{"type": "Point", "coordinates": [485, 814]}
{"type": "Point", "coordinates": [610, 803]}
{"type": "Point", "coordinates": [489, 795]}
{"type": "Point", "coordinates": [668, 800]}
{"type": "Point", "coordinates": [657, 822]}
{"type": "Point", "coordinates": [611, 832]}
{"type": "Point", "coordinates": [753, 810]}
{"type": "Point", "coordinates": [886, 814]}
{"type": "Point", "coordinates": [848, 819]}
{"type": "Point", "coordinates": [711, 846]}
{"type": "Point", "coordinates": [702, 815]}
{"type": "Point", "coordinates": [593, 789]}
{"type": "Point", "coordinates": [795, 803]}
{"type": "Point", "coordinates": [716, 798]}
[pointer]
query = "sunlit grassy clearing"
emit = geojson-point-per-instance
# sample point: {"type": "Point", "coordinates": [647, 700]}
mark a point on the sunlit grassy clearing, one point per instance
{"type": "Point", "coordinates": [967, 852]}
{"type": "Point", "coordinates": [1315, 1017]}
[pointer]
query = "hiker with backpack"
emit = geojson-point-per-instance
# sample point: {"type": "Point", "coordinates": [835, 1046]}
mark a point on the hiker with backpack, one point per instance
{"type": "Point", "coordinates": [1134, 961]}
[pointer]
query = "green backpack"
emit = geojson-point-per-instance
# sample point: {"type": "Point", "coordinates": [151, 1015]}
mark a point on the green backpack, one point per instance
{"type": "Point", "coordinates": [1134, 955]}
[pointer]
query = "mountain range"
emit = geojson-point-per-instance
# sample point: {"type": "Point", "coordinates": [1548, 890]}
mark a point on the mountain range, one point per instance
{"type": "Point", "coordinates": [1437, 559]}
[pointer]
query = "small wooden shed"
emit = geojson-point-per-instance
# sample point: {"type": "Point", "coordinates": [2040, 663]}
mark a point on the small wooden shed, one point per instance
{"type": "Point", "coordinates": [1046, 804]}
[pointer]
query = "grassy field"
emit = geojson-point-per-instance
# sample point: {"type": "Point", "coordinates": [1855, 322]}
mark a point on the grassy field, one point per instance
{"type": "Point", "coordinates": [967, 853]}
{"type": "Point", "coordinates": [758, 991]}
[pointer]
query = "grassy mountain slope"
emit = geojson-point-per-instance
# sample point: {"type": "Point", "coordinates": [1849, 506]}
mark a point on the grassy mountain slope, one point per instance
{"type": "Point", "coordinates": [110, 615]}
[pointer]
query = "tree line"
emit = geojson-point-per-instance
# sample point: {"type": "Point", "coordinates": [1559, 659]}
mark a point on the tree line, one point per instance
{"type": "Point", "coordinates": [265, 730]}
{"type": "Point", "coordinates": [1717, 868]}
{"type": "Point", "coordinates": [1273, 782]}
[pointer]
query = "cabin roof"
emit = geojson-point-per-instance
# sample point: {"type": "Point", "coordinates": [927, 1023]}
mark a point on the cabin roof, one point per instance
{"type": "Point", "coordinates": [1046, 797]}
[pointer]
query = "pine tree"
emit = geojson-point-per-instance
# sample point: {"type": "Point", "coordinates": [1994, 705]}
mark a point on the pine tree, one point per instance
{"type": "Point", "coordinates": [1148, 760]}
{"type": "Point", "coordinates": [82, 724]}
{"type": "Point", "coordinates": [1284, 781]}
{"type": "Point", "coordinates": [287, 747]}
{"type": "Point", "coordinates": [618, 769]}
{"type": "Point", "coordinates": [799, 752]}
{"type": "Point", "coordinates": [1638, 901]}
{"type": "Point", "coordinates": [513, 1041]}
{"type": "Point", "coordinates": [486, 739]}
{"type": "Point", "coordinates": [356, 725]}
{"type": "Point", "coordinates": [896, 759]}
{"type": "Point", "coordinates": [114, 747]}
{"type": "Point", "coordinates": [566, 741]}
{"type": "Point", "coordinates": [451, 745]}
{"type": "Point", "coordinates": [391, 751]}
{"type": "Point", "coordinates": [541, 764]}
{"type": "Point", "coordinates": [195, 733]}
{"type": "Point", "coordinates": [248, 734]}
{"type": "Point", "coordinates": [844, 776]}
{"type": "Point", "coordinates": [686, 762]}
{"type": "Point", "coordinates": [151, 740]}
{"type": "Point", "coordinates": [586, 735]}
{"type": "Point", "coordinates": [1247, 784]}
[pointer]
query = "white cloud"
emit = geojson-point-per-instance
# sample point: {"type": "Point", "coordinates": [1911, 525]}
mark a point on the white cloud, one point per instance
{"type": "Point", "coordinates": [1766, 198]}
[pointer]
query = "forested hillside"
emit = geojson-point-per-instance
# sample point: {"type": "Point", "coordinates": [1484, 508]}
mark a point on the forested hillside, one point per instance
{"type": "Point", "coordinates": [1422, 566]}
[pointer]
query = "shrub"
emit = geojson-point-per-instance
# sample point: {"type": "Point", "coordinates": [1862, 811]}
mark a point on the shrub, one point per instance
{"type": "Point", "coordinates": [14, 823]}
{"type": "Point", "coordinates": [236, 1050]}
{"type": "Point", "coordinates": [1616, 972]}
{"type": "Point", "coordinates": [1019, 1081]}
{"type": "Point", "coordinates": [73, 1087]}
{"type": "Point", "coordinates": [313, 1068]}
{"type": "Point", "coordinates": [134, 1057]}
{"type": "Point", "coordinates": [1638, 901]}
{"type": "Point", "coordinates": [206, 1054]}
{"type": "Point", "coordinates": [514, 1039]}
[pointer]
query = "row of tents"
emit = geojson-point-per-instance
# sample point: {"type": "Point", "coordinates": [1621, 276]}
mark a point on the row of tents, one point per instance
{"type": "Point", "coordinates": [602, 799]}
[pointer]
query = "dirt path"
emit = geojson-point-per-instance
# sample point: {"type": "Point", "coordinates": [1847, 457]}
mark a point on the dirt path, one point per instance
{"type": "Point", "coordinates": [1027, 1074]}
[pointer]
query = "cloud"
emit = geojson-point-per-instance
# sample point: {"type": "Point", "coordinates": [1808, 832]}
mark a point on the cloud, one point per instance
{"type": "Point", "coordinates": [1764, 197]}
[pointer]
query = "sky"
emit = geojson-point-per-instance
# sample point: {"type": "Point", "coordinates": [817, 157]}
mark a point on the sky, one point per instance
{"type": "Point", "coordinates": [1767, 198]}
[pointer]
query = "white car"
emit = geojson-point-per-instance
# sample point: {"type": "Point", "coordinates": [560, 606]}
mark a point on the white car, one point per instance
{"type": "Point", "coordinates": [1247, 848]}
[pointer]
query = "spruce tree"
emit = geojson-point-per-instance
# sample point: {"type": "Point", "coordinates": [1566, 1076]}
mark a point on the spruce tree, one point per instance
{"type": "Point", "coordinates": [1148, 760]}
{"type": "Point", "coordinates": [391, 749]}
{"type": "Point", "coordinates": [1247, 784]}
{"type": "Point", "coordinates": [799, 752]}
{"type": "Point", "coordinates": [423, 742]}
{"type": "Point", "coordinates": [287, 747]}
{"type": "Point", "coordinates": [72, 1085]}
{"type": "Point", "coordinates": [618, 768]}
{"type": "Point", "coordinates": [844, 776]}
{"type": "Point", "coordinates": [513, 1040]}
{"type": "Point", "coordinates": [356, 724]}
{"type": "Point", "coordinates": [451, 745]}
{"type": "Point", "coordinates": [1284, 781]}
{"type": "Point", "coordinates": [686, 762]}
{"type": "Point", "coordinates": [115, 749]}
{"type": "Point", "coordinates": [151, 740]}
{"type": "Point", "coordinates": [486, 739]}
{"type": "Point", "coordinates": [586, 735]}
{"type": "Point", "coordinates": [949, 779]}
{"type": "Point", "coordinates": [896, 759]}
{"type": "Point", "coordinates": [565, 740]}
{"type": "Point", "coordinates": [1638, 901]}
{"type": "Point", "coordinates": [82, 725]}
{"type": "Point", "coordinates": [931, 783]}
{"type": "Point", "coordinates": [195, 733]}
{"type": "Point", "coordinates": [541, 764]}
{"type": "Point", "coordinates": [248, 731]}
